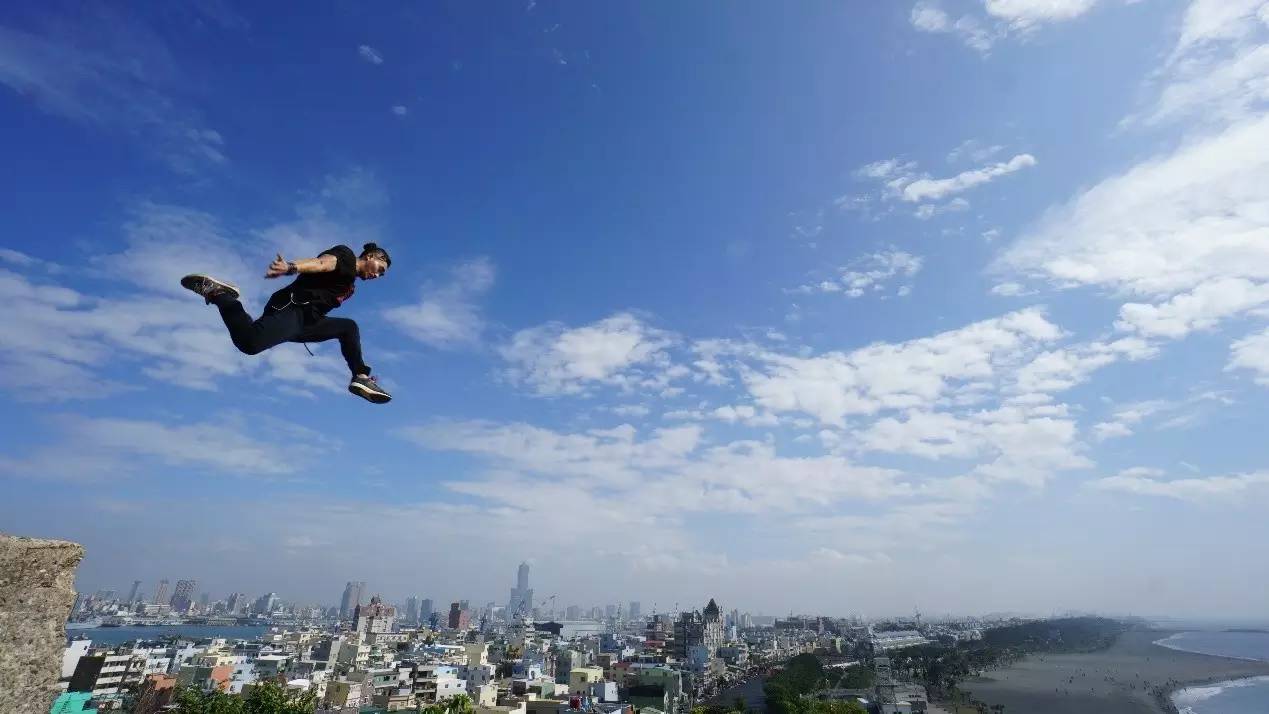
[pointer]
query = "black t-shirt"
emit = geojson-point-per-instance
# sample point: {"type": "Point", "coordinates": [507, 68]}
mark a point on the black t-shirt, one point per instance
{"type": "Point", "coordinates": [322, 292]}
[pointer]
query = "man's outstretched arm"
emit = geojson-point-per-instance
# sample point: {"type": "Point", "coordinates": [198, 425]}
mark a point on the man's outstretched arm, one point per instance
{"type": "Point", "coordinates": [321, 264]}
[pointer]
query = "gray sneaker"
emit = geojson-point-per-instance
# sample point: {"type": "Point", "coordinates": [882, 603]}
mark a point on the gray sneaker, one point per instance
{"type": "Point", "coordinates": [365, 386]}
{"type": "Point", "coordinates": [208, 287]}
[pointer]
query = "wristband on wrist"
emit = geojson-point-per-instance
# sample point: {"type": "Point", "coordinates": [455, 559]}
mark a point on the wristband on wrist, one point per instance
{"type": "Point", "coordinates": [292, 268]}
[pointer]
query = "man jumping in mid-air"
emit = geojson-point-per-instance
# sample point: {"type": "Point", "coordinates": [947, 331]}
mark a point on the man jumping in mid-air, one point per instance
{"type": "Point", "coordinates": [297, 312]}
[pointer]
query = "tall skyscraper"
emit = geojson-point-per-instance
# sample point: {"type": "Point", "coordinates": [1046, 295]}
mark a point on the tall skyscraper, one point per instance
{"type": "Point", "coordinates": [160, 594]}
{"type": "Point", "coordinates": [459, 618]}
{"type": "Point", "coordinates": [184, 596]}
{"type": "Point", "coordinates": [352, 598]}
{"type": "Point", "coordinates": [236, 602]}
{"type": "Point", "coordinates": [266, 603]}
{"type": "Point", "coordinates": [635, 610]}
{"type": "Point", "coordinates": [136, 590]}
{"type": "Point", "coordinates": [425, 611]}
{"type": "Point", "coordinates": [521, 601]}
{"type": "Point", "coordinates": [572, 612]}
{"type": "Point", "coordinates": [412, 609]}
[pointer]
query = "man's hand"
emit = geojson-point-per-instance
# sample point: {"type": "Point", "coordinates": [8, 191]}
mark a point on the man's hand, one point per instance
{"type": "Point", "coordinates": [278, 267]}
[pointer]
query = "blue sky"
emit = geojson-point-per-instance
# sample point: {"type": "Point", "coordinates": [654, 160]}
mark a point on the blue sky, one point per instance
{"type": "Point", "coordinates": [847, 308]}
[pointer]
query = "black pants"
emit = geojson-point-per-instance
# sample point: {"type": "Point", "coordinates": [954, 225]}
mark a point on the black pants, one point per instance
{"type": "Point", "coordinates": [290, 324]}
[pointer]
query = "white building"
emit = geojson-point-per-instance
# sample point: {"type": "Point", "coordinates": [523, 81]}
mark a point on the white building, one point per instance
{"type": "Point", "coordinates": [898, 639]}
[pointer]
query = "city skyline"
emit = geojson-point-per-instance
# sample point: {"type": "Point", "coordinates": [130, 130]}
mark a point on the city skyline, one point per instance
{"type": "Point", "coordinates": [826, 308]}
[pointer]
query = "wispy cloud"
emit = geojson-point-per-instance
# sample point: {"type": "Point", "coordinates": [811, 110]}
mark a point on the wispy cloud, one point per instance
{"type": "Point", "coordinates": [1151, 482]}
{"type": "Point", "coordinates": [370, 54]}
{"type": "Point", "coordinates": [1252, 353]}
{"type": "Point", "coordinates": [621, 351]}
{"type": "Point", "coordinates": [448, 315]}
{"type": "Point", "coordinates": [226, 445]}
{"type": "Point", "coordinates": [871, 274]}
{"type": "Point", "coordinates": [1001, 19]}
{"type": "Point", "coordinates": [900, 180]}
{"type": "Point", "coordinates": [927, 189]}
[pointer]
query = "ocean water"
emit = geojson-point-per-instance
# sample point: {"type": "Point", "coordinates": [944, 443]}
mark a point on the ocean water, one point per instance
{"type": "Point", "coordinates": [119, 635]}
{"type": "Point", "coordinates": [1241, 696]}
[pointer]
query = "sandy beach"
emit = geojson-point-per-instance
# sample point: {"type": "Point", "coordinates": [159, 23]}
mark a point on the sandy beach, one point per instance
{"type": "Point", "coordinates": [1124, 679]}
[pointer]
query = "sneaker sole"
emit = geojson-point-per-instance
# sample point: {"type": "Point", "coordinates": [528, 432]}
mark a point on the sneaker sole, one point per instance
{"type": "Point", "coordinates": [188, 282]}
{"type": "Point", "coordinates": [370, 394]}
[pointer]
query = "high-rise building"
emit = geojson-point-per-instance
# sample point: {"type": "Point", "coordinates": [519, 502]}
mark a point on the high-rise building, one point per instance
{"type": "Point", "coordinates": [635, 610]}
{"type": "Point", "coordinates": [699, 628]}
{"type": "Point", "coordinates": [459, 618]}
{"type": "Point", "coordinates": [375, 617]}
{"type": "Point", "coordinates": [425, 610]}
{"type": "Point", "coordinates": [183, 597]}
{"type": "Point", "coordinates": [203, 601]}
{"type": "Point", "coordinates": [610, 612]}
{"type": "Point", "coordinates": [572, 612]}
{"type": "Point", "coordinates": [521, 601]}
{"type": "Point", "coordinates": [236, 602]}
{"type": "Point", "coordinates": [136, 590]}
{"type": "Point", "coordinates": [265, 604]}
{"type": "Point", "coordinates": [353, 593]}
{"type": "Point", "coordinates": [160, 594]}
{"type": "Point", "coordinates": [412, 609]}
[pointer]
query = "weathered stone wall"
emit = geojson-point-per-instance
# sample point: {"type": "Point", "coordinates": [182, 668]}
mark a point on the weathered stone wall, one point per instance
{"type": "Point", "coordinates": [37, 579]}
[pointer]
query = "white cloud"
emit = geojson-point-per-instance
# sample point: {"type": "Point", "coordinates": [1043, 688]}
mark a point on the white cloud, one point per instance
{"type": "Point", "coordinates": [927, 211]}
{"type": "Point", "coordinates": [1217, 71]}
{"type": "Point", "coordinates": [164, 242]}
{"type": "Point", "coordinates": [370, 54]}
{"type": "Point", "coordinates": [400, 110]}
{"type": "Point", "coordinates": [1165, 226]}
{"type": "Point", "coordinates": [1060, 369]}
{"type": "Point", "coordinates": [18, 258]}
{"type": "Point", "coordinates": [870, 274]}
{"type": "Point", "coordinates": [895, 376]}
{"type": "Point", "coordinates": [929, 17]}
{"type": "Point", "coordinates": [1252, 352]}
{"type": "Point", "coordinates": [974, 150]}
{"type": "Point", "coordinates": [1003, 17]}
{"type": "Point", "coordinates": [1013, 443]}
{"type": "Point", "coordinates": [885, 169]}
{"type": "Point", "coordinates": [1150, 482]}
{"type": "Point", "coordinates": [448, 316]}
{"type": "Point", "coordinates": [925, 189]}
{"type": "Point", "coordinates": [620, 351]}
{"type": "Point", "coordinates": [671, 467]}
{"type": "Point", "coordinates": [1027, 13]}
{"type": "Point", "coordinates": [631, 410]}
{"type": "Point", "coordinates": [1201, 308]}
{"type": "Point", "coordinates": [1010, 289]}
{"type": "Point", "coordinates": [899, 180]}
{"type": "Point", "coordinates": [109, 447]}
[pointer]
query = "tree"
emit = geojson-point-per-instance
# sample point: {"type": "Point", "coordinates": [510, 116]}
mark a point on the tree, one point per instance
{"type": "Point", "coordinates": [275, 698]}
{"type": "Point", "coordinates": [195, 701]}
{"type": "Point", "coordinates": [261, 698]}
{"type": "Point", "coordinates": [457, 704]}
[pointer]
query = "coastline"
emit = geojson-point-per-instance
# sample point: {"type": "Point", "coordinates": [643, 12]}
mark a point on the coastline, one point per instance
{"type": "Point", "coordinates": [1132, 676]}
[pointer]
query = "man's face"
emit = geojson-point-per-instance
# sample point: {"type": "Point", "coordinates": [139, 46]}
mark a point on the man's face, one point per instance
{"type": "Point", "coordinates": [372, 267]}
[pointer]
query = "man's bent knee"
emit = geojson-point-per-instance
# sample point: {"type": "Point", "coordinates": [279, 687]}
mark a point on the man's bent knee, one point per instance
{"type": "Point", "coordinates": [249, 347]}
